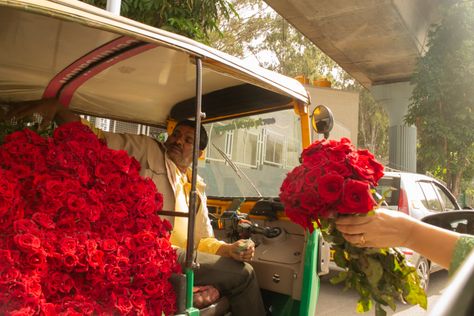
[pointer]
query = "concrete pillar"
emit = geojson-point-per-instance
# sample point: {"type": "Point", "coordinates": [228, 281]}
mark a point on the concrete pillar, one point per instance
{"type": "Point", "coordinates": [395, 98]}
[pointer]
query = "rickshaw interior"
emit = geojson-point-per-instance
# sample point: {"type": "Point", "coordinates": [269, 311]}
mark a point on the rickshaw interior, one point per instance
{"type": "Point", "coordinates": [128, 77]}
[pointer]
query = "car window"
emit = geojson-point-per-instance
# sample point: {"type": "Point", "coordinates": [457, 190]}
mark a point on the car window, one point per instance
{"type": "Point", "coordinates": [431, 202]}
{"type": "Point", "coordinates": [445, 199]}
{"type": "Point", "coordinates": [384, 187]}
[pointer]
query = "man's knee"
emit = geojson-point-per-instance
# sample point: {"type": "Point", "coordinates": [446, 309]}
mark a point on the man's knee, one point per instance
{"type": "Point", "coordinates": [244, 277]}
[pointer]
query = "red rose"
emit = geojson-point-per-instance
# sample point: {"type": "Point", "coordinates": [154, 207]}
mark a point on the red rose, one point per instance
{"type": "Point", "coordinates": [146, 205]}
{"type": "Point", "coordinates": [123, 304]}
{"type": "Point", "coordinates": [299, 217]}
{"type": "Point", "coordinates": [151, 270]}
{"type": "Point", "coordinates": [311, 177]}
{"type": "Point", "coordinates": [145, 238]}
{"type": "Point", "coordinates": [36, 259]}
{"type": "Point", "coordinates": [356, 197]}
{"type": "Point", "coordinates": [102, 170]}
{"type": "Point", "coordinates": [109, 245]}
{"type": "Point", "coordinates": [9, 274]}
{"type": "Point", "coordinates": [34, 288]}
{"type": "Point", "coordinates": [23, 226]}
{"type": "Point", "coordinates": [70, 261]}
{"type": "Point", "coordinates": [95, 259]}
{"type": "Point", "coordinates": [27, 242]}
{"type": "Point", "coordinates": [310, 200]}
{"type": "Point", "coordinates": [366, 167]}
{"type": "Point", "coordinates": [138, 300]}
{"type": "Point", "coordinates": [151, 289]}
{"type": "Point", "coordinates": [114, 274]}
{"type": "Point", "coordinates": [330, 187]}
{"type": "Point", "coordinates": [68, 245]}
{"type": "Point", "coordinates": [44, 220]}
{"type": "Point", "coordinates": [339, 168]}
{"type": "Point", "coordinates": [75, 202]}
{"type": "Point", "coordinates": [121, 160]}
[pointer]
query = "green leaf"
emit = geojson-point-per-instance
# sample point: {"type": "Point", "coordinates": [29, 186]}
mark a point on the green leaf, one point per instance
{"type": "Point", "coordinates": [373, 271]}
{"type": "Point", "coordinates": [341, 276]}
{"type": "Point", "coordinates": [363, 305]}
{"type": "Point", "coordinates": [415, 295]}
{"type": "Point", "coordinates": [340, 258]}
{"type": "Point", "coordinates": [379, 311]}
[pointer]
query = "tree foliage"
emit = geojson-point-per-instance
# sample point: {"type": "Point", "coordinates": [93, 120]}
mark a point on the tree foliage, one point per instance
{"type": "Point", "coordinates": [373, 126]}
{"type": "Point", "coordinates": [196, 19]}
{"type": "Point", "coordinates": [261, 34]}
{"type": "Point", "coordinates": [442, 105]}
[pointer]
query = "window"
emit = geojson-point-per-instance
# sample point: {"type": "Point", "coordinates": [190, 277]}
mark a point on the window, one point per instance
{"type": "Point", "coordinates": [390, 188]}
{"type": "Point", "coordinates": [273, 148]}
{"type": "Point", "coordinates": [121, 127]}
{"type": "Point", "coordinates": [245, 151]}
{"type": "Point", "coordinates": [445, 199]}
{"type": "Point", "coordinates": [431, 202]}
{"type": "Point", "coordinates": [218, 138]}
{"type": "Point", "coordinates": [293, 151]}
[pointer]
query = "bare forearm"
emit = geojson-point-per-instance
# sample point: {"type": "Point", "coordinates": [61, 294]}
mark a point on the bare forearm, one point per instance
{"type": "Point", "coordinates": [432, 242]}
{"type": "Point", "coordinates": [388, 228]}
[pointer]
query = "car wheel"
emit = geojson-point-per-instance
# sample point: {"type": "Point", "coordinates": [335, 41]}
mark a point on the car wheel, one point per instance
{"type": "Point", "coordinates": [423, 271]}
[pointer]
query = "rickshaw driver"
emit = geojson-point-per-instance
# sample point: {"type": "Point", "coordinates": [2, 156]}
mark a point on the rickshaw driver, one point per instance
{"type": "Point", "coordinates": [168, 164]}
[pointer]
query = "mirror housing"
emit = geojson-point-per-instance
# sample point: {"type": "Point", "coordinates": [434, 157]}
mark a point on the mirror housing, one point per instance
{"type": "Point", "coordinates": [322, 120]}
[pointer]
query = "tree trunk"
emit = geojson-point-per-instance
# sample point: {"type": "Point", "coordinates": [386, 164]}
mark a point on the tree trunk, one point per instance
{"type": "Point", "coordinates": [456, 183]}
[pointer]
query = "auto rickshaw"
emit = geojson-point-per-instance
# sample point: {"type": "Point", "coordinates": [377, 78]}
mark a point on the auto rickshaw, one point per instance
{"type": "Point", "coordinates": [125, 76]}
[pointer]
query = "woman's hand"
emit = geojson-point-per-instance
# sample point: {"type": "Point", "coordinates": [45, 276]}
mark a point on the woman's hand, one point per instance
{"type": "Point", "coordinates": [384, 229]}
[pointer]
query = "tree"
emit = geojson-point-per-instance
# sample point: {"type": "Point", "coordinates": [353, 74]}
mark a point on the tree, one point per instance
{"type": "Point", "coordinates": [194, 19]}
{"type": "Point", "coordinates": [373, 126]}
{"type": "Point", "coordinates": [442, 105]}
{"type": "Point", "coordinates": [259, 32]}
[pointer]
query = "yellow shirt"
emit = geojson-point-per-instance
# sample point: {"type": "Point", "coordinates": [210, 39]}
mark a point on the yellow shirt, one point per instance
{"type": "Point", "coordinates": [182, 189]}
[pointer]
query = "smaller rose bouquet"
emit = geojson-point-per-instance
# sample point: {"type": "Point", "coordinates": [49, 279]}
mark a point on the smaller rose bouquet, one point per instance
{"type": "Point", "coordinates": [336, 179]}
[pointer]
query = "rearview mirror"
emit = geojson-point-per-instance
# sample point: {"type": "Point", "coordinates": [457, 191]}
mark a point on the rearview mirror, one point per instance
{"type": "Point", "coordinates": [322, 120]}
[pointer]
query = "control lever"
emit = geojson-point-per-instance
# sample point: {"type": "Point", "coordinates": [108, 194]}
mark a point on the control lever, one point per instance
{"type": "Point", "coordinates": [247, 228]}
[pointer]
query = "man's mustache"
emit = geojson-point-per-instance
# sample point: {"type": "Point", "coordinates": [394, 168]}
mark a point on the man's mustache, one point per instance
{"type": "Point", "coordinates": [175, 146]}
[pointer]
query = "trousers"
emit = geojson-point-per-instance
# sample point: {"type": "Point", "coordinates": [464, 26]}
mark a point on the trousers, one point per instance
{"type": "Point", "coordinates": [234, 279]}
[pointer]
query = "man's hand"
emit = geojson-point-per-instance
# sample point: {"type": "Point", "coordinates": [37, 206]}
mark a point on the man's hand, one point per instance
{"type": "Point", "coordinates": [49, 109]}
{"type": "Point", "coordinates": [241, 250]}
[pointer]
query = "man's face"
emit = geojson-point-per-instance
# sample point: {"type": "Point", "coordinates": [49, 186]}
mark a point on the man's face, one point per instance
{"type": "Point", "coordinates": [179, 146]}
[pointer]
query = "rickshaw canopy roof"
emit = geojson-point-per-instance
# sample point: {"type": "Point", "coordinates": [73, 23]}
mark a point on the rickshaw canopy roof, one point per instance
{"type": "Point", "coordinates": [110, 66]}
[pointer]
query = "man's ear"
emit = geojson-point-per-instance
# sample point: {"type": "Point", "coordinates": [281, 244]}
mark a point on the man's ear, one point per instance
{"type": "Point", "coordinates": [202, 154]}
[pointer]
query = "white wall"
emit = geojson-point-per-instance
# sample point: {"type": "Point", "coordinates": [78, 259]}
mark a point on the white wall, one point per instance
{"type": "Point", "coordinates": [344, 106]}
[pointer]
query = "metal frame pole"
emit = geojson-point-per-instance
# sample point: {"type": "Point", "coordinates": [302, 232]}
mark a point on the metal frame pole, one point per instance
{"type": "Point", "coordinates": [114, 6]}
{"type": "Point", "coordinates": [189, 264]}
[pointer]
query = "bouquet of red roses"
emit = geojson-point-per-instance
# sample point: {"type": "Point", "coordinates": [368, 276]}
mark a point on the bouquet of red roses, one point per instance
{"type": "Point", "coordinates": [79, 229]}
{"type": "Point", "coordinates": [336, 179]}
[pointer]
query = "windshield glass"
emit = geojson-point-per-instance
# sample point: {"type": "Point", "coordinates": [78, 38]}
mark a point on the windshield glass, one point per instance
{"type": "Point", "coordinates": [264, 147]}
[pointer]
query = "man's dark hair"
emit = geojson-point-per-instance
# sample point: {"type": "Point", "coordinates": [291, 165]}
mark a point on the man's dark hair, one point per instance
{"type": "Point", "coordinates": [203, 138]}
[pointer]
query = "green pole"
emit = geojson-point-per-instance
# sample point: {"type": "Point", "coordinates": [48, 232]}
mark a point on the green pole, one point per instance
{"type": "Point", "coordinates": [310, 290]}
{"type": "Point", "coordinates": [190, 310]}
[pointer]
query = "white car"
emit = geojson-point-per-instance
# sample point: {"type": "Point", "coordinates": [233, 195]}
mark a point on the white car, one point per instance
{"type": "Point", "coordinates": [416, 194]}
